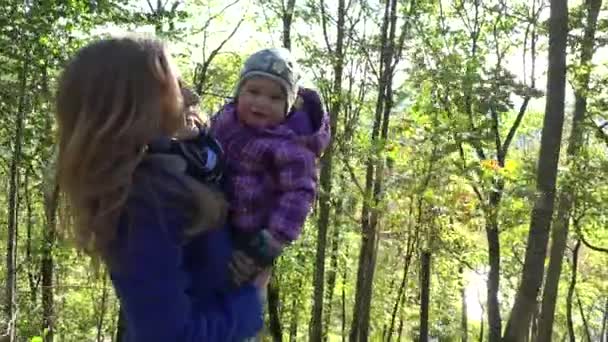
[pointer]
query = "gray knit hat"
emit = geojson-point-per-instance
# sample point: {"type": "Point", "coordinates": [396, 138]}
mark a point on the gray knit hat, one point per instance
{"type": "Point", "coordinates": [276, 64]}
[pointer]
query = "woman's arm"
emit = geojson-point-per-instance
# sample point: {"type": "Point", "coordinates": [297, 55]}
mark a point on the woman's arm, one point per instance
{"type": "Point", "coordinates": [152, 285]}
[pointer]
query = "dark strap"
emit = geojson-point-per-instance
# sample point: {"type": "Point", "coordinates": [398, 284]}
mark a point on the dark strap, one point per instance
{"type": "Point", "coordinates": [203, 156]}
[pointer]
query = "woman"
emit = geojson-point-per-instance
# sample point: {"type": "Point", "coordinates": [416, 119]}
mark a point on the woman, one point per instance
{"type": "Point", "coordinates": [136, 208]}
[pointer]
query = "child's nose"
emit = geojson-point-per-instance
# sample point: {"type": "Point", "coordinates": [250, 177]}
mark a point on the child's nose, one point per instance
{"type": "Point", "coordinates": [263, 101]}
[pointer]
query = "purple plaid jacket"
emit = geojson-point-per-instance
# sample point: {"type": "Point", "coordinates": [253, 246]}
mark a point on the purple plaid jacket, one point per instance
{"type": "Point", "coordinates": [272, 172]}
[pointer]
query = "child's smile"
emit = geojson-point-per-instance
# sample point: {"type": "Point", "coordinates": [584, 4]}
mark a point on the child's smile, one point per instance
{"type": "Point", "coordinates": [261, 102]}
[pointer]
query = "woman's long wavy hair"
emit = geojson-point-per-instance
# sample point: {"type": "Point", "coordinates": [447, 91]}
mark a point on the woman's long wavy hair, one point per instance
{"type": "Point", "coordinates": [114, 97]}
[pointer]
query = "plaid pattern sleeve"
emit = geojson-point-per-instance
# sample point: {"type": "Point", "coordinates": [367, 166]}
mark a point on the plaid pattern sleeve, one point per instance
{"type": "Point", "coordinates": [296, 180]}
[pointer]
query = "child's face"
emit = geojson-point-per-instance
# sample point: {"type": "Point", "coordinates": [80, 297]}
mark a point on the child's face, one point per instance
{"type": "Point", "coordinates": [261, 102]}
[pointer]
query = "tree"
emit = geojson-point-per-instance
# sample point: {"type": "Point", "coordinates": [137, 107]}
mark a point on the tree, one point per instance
{"type": "Point", "coordinates": [201, 70]}
{"type": "Point", "coordinates": [559, 234]}
{"type": "Point", "coordinates": [533, 270]}
{"type": "Point", "coordinates": [11, 249]}
{"type": "Point", "coordinates": [316, 324]}
{"type": "Point", "coordinates": [373, 178]}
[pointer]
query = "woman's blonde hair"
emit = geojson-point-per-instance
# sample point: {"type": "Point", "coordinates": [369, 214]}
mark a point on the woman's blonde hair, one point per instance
{"type": "Point", "coordinates": [114, 97]}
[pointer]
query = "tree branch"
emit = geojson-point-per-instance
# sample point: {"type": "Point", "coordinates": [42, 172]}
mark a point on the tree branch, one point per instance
{"type": "Point", "coordinates": [404, 30]}
{"type": "Point", "coordinates": [520, 115]}
{"type": "Point", "coordinates": [496, 129]}
{"type": "Point", "coordinates": [324, 25]}
{"type": "Point", "coordinates": [524, 106]}
{"type": "Point", "coordinates": [151, 7]}
{"type": "Point", "coordinates": [350, 170]}
{"type": "Point", "coordinates": [580, 234]}
{"type": "Point", "coordinates": [215, 16]}
{"type": "Point", "coordinates": [600, 131]}
{"type": "Point", "coordinates": [202, 77]}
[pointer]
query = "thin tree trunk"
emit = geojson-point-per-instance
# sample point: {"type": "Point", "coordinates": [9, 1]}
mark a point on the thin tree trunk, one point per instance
{"type": "Point", "coordinates": [274, 314]}
{"type": "Point", "coordinates": [481, 327]}
{"type": "Point", "coordinates": [464, 321]}
{"type": "Point", "coordinates": [559, 235]}
{"type": "Point", "coordinates": [402, 288]}
{"type": "Point", "coordinates": [367, 232]}
{"type": "Point", "coordinates": [584, 318]}
{"type": "Point", "coordinates": [293, 326]}
{"type": "Point", "coordinates": [344, 274]}
{"type": "Point", "coordinates": [333, 269]}
{"type": "Point", "coordinates": [571, 289]}
{"type": "Point", "coordinates": [492, 235]}
{"type": "Point", "coordinates": [11, 241]}
{"type": "Point", "coordinates": [400, 329]}
{"type": "Point", "coordinates": [316, 323]}
{"type": "Point", "coordinates": [373, 181]}
{"type": "Point", "coordinates": [604, 332]}
{"type": "Point", "coordinates": [401, 317]}
{"type": "Point", "coordinates": [47, 268]}
{"type": "Point", "coordinates": [295, 314]}
{"type": "Point", "coordinates": [287, 19]}
{"type": "Point", "coordinates": [102, 311]}
{"type": "Point", "coordinates": [391, 288]}
{"type": "Point", "coordinates": [31, 277]}
{"type": "Point", "coordinates": [533, 270]}
{"type": "Point", "coordinates": [425, 289]}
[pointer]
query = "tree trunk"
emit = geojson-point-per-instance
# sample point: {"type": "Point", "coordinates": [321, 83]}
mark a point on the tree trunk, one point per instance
{"type": "Point", "coordinates": [31, 276]}
{"type": "Point", "coordinates": [295, 310]}
{"type": "Point", "coordinates": [533, 270]}
{"type": "Point", "coordinates": [584, 318]}
{"type": "Point", "coordinates": [559, 235]}
{"type": "Point", "coordinates": [102, 309]}
{"type": "Point", "coordinates": [287, 19]}
{"type": "Point", "coordinates": [402, 287]}
{"type": "Point", "coordinates": [604, 332]}
{"type": "Point", "coordinates": [48, 310]}
{"type": "Point", "coordinates": [316, 322]}
{"type": "Point", "coordinates": [481, 326]}
{"type": "Point", "coordinates": [401, 318]}
{"type": "Point", "coordinates": [492, 235]}
{"type": "Point", "coordinates": [373, 181]}
{"type": "Point", "coordinates": [425, 289]}
{"type": "Point", "coordinates": [344, 274]}
{"type": "Point", "coordinates": [11, 240]}
{"type": "Point", "coordinates": [274, 313]}
{"type": "Point", "coordinates": [333, 269]}
{"type": "Point", "coordinates": [571, 292]}
{"type": "Point", "coordinates": [464, 321]}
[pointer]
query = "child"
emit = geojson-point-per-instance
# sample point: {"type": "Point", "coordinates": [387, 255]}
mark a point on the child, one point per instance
{"type": "Point", "coordinates": [271, 144]}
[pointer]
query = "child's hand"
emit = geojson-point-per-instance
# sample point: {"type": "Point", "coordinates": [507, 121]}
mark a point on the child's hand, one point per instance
{"type": "Point", "coordinates": [243, 268]}
{"type": "Point", "coordinates": [261, 280]}
{"type": "Point", "coordinates": [192, 125]}
{"type": "Point", "coordinates": [255, 254]}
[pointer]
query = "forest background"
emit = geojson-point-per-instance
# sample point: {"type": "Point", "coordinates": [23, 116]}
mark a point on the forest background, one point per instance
{"type": "Point", "coordinates": [464, 196]}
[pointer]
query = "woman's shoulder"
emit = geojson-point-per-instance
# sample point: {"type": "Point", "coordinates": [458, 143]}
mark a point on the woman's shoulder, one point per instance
{"type": "Point", "coordinates": [156, 183]}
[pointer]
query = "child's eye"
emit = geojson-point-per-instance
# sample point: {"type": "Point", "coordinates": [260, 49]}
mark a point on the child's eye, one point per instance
{"type": "Point", "coordinates": [276, 97]}
{"type": "Point", "coordinates": [254, 91]}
